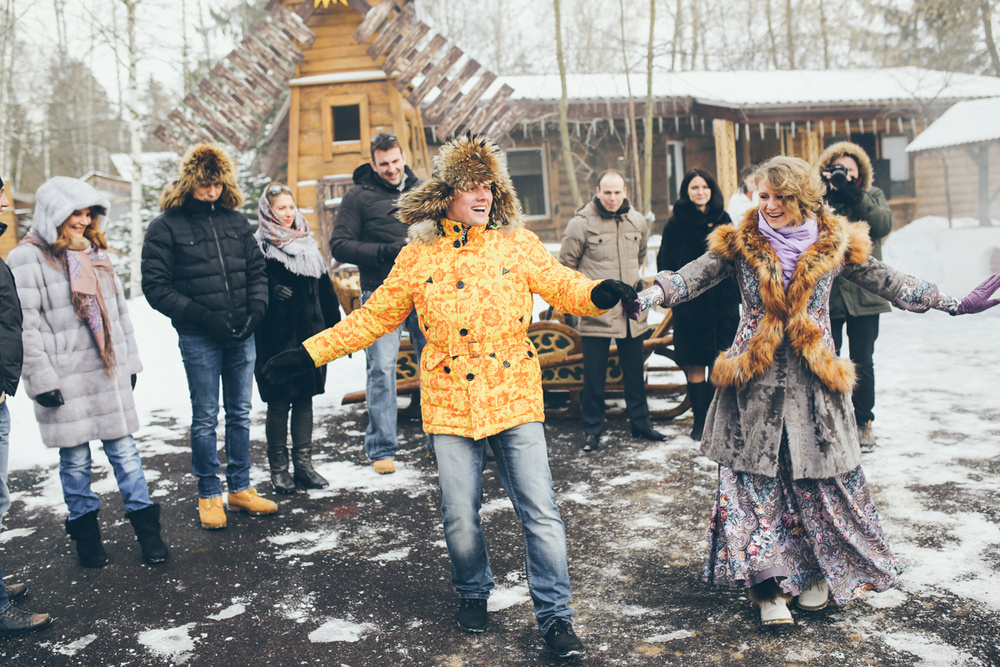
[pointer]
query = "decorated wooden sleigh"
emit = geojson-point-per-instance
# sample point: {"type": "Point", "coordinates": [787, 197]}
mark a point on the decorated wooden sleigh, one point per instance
{"type": "Point", "coordinates": [560, 354]}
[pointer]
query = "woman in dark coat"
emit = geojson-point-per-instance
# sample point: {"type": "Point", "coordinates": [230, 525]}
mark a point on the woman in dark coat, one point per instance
{"type": "Point", "coordinates": [302, 303]}
{"type": "Point", "coordinates": [705, 326]}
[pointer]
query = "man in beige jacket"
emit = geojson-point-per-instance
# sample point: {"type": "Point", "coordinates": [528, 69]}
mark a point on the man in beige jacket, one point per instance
{"type": "Point", "coordinates": [607, 239]}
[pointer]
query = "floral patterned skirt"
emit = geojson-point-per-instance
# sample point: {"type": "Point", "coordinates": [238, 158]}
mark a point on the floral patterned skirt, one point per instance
{"type": "Point", "coordinates": [799, 531]}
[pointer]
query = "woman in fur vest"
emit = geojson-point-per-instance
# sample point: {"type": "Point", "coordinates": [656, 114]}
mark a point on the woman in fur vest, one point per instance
{"type": "Point", "coordinates": [704, 326]}
{"type": "Point", "coordinates": [793, 515]}
{"type": "Point", "coordinates": [81, 360]}
{"type": "Point", "coordinates": [302, 303]}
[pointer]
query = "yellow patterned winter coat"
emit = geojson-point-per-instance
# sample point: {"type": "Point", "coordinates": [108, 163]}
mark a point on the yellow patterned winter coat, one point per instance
{"type": "Point", "coordinates": [472, 289]}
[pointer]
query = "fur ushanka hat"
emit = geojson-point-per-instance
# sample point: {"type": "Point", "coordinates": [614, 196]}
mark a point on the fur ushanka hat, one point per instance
{"type": "Point", "coordinates": [204, 163]}
{"type": "Point", "coordinates": [460, 164]}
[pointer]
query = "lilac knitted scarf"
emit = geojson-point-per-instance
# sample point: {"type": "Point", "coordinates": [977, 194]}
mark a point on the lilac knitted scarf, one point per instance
{"type": "Point", "coordinates": [789, 242]}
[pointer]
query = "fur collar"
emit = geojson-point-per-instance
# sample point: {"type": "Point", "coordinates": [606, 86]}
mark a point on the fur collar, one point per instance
{"type": "Point", "coordinates": [786, 314]}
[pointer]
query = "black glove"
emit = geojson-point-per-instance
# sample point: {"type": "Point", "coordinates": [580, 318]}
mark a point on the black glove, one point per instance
{"type": "Point", "coordinates": [284, 366]}
{"type": "Point", "coordinates": [50, 399]}
{"type": "Point", "coordinates": [609, 292]}
{"type": "Point", "coordinates": [254, 318]}
{"type": "Point", "coordinates": [281, 293]}
{"type": "Point", "coordinates": [851, 194]}
{"type": "Point", "coordinates": [133, 380]}
{"type": "Point", "coordinates": [215, 325]}
{"type": "Point", "coordinates": [387, 251]}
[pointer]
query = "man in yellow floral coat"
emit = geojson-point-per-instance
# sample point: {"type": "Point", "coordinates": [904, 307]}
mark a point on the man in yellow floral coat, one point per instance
{"type": "Point", "coordinates": [470, 273]}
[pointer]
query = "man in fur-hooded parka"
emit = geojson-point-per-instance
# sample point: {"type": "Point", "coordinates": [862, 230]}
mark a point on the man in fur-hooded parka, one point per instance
{"type": "Point", "coordinates": [200, 256]}
{"type": "Point", "coordinates": [472, 288]}
{"type": "Point", "coordinates": [59, 348]}
{"type": "Point", "coordinates": [858, 201]}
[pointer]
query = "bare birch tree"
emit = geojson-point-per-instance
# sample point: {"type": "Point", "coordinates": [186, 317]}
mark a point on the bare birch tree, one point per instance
{"type": "Point", "coordinates": [564, 144]}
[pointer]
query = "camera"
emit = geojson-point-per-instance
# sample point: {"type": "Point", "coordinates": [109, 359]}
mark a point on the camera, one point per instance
{"type": "Point", "coordinates": [828, 173]}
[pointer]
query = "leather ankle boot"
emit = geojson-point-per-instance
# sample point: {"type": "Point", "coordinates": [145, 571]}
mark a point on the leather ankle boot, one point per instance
{"type": "Point", "coordinates": [87, 535]}
{"type": "Point", "coordinates": [277, 459]}
{"type": "Point", "coordinates": [305, 475]}
{"type": "Point", "coordinates": [146, 524]}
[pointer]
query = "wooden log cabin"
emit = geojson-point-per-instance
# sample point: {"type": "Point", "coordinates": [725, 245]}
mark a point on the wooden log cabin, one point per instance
{"type": "Point", "coordinates": [328, 76]}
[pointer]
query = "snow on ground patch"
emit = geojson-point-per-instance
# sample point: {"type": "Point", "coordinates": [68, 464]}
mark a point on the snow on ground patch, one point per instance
{"type": "Point", "coordinates": [503, 597]}
{"type": "Point", "coordinates": [670, 636]}
{"type": "Point", "coordinates": [347, 476]}
{"type": "Point", "coordinates": [339, 630]}
{"type": "Point", "coordinates": [398, 554]}
{"type": "Point", "coordinates": [496, 505]}
{"type": "Point", "coordinates": [630, 478]}
{"type": "Point", "coordinates": [229, 612]}
{"type": "Point", "coordinates": [314, 541]}
{"type": "Point", "coordinates": [890, 598]}
{"type": "Point", "coordinates": [930, 650]}
{"type": "Point", "coordinates": [175, 644]}
{"type": "Point", "coordinates": [71, 648]}
{"type": "Point", "coordinates": [17, 532]}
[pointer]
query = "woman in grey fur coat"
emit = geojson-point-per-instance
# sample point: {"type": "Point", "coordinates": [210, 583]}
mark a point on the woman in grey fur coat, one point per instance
{"type": "Point", "coordinates": [81, 360]}
{"type": "Point", "coordinates": [793, 515]}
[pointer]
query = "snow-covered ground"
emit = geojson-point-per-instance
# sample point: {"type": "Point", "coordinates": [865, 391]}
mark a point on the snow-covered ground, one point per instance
{"type": "Point", "coordinates": [935, 475]}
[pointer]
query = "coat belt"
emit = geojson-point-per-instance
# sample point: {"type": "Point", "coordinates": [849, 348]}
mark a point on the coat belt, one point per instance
{"type": "Point", "coordinates": [475, 348]}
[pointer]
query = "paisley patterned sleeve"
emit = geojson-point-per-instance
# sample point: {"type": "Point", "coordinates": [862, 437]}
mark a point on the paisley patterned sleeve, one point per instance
{"type": "Point", "coordinates": [668, 289]}
{"type": "Point", "coordinates": [673, 287]}
{"type": "Point", "coordinates": [901, 290]}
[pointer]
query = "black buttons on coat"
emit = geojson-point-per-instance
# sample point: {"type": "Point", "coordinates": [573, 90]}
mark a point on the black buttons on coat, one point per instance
{"type": "Point", "coordinates": [470, 377]}
{"type": "Point", "coordinates": [460, 284]}
{"type": "Point", "coordinates": [463, 331]}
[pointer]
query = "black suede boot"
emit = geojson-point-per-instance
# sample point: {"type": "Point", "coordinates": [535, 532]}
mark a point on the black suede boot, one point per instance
{"type": "Point", "coordinates": [146, 524]}
{"type": "Point", "coordinates": [87, 535]}
{"type": "Point", "coordinates": [305, 476]}
{"type": "Point", "coordinates": [277, 459]}
{"type": "Point", "coordinates": [700, 394]}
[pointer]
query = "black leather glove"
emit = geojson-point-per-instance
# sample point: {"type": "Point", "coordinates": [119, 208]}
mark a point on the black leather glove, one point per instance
{"type": "Point", "coordinates": [609, 292]}
{"type": "Point", "coordinates": [851, 194]}
{"type": "Point", "coordinates": [215, 325]}
{"type": "Point", "coordinates": [254, 318]}
{"type": "Point", "coordinates": [284, 366]}
{"type": "Point", "coordinates": [133, 380]}
{"type": "Point", "coordinates": [281, 293]}
{"type": "Point", "coordinates": [387, 251]}
{"type": "Point", "coordinates": [50, 399]}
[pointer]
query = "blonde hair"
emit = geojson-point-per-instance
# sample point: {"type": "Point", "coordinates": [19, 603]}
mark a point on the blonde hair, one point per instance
{"type": "Point", "coordinates": [91, 233]}
{"type": "Point", "coordinates": [793, 178]}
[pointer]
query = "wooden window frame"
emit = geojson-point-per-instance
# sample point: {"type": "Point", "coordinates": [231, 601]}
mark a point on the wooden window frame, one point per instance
{"type": "Point", "coordinates": [545, 181]}
{"type": "Point", "coordinates": [331, 147]}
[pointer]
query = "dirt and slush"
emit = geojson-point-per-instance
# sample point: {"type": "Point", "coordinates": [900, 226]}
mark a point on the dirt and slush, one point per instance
{"type": "Point", "coordinates": [358, 574]}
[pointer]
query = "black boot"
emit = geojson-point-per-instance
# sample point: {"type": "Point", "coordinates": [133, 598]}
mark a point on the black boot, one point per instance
{"type": "Point", "coordinates": [87, 535]}
{"type": "Point", "coordinates": [700, 394]}
{"type": "Point", "coordinates": [305, 476]}
{"type": "Point", "coordinates": [277, 459]}
{"type": "Point", "coordinates": [644, 429]}
{"type": "Point", "coordinates": [146, 524]}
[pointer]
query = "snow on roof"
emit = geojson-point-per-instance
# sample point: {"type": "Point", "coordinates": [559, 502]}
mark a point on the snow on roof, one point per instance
{"type": "Point", "coordinates": [783, 87]}
{"type": "Point", "coordinates": [969, 122]}
{"type": "Point", "coordinates": [149, 160]}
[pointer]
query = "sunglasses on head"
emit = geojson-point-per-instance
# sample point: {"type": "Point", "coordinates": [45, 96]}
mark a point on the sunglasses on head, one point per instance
{"type": "Point", "coordinates": [275, 190]}
{"type": "Point", "coordinates": [379, 138]}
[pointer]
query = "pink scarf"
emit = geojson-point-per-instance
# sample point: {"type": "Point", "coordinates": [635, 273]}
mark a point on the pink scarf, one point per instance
{"type": "Point", "coordinates": [789, 242]}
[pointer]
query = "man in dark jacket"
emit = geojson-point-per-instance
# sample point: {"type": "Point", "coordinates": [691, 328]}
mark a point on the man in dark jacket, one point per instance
{"type": "Point", "coordinates": [202, 268]}
{"type": "Point", "coordinates": [847, 172]}
{"type": "Point", "coordinates": [13, 621]}
{"type": "Point", "coordinates": [367, 233]}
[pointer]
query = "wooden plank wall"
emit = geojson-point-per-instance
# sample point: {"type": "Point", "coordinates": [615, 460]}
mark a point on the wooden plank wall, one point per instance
{"type": "Point", "coordinates": [963, 178]}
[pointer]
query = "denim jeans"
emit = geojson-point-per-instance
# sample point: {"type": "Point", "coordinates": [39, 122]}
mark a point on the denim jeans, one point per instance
{"type": "Point", "coordinates": [206, 361]}
{"type": "Point", "coordinates": [74, 473]}
{"type": "Point", "coordinates": [522, 460]}
{"type": "Point", "coordinates": [380, 387]}
{"type": "Point", "coordinates": [4, 491]}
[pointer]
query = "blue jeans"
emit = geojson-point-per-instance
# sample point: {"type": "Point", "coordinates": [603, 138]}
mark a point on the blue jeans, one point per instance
{"type": "Point", "coordinates": [206, 361]}
{"type": "Point", "coordinates": [74, 473]}
{"type": "Point", "coordinates": [380, 387]}
{"type": "Point", "coordinates": [523, 463]}
{"type": "Point", "coordinates": [4, 491]}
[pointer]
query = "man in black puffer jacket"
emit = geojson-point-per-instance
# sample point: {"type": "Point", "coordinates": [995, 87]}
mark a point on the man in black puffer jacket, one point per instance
{"type": "Point", "coordinates": [202, 268]}
{"type": "Point", "coordinates": [367, 233]}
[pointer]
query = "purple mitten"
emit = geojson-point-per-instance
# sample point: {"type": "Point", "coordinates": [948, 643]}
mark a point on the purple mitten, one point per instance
{"type": "Point", "coordinates": [649, 297]}
{"type": "Point", "coordinates": [979, 299]}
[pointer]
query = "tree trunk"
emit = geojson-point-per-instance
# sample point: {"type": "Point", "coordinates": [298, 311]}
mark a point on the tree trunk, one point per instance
{"type": "Point", "coordinates": [135, 148]}
{"type": "Point", "coordinates": [773, 43]}
{"type": "Point", "coordinates": [634, 143]}
{"type": "Point", "coordinates": [567, 153]}
{"type": "Point", "coordinates": [991, 45]}
{"type": "Point", "coordinates": [823, 34]}
{"type": "Point", "coordinates": [647, 126]}
{"type": "Point", "coordinates": [678, 30]}
{"type": "Point", "coordinates": [790, 34]}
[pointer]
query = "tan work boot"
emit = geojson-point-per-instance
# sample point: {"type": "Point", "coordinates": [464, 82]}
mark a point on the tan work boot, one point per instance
{"type": "Point", "coordinates": [248, 501]}
{"type": "Point", "coordinates": [211, 514]}
{"type": "Point", "coordinates": [384, 466]}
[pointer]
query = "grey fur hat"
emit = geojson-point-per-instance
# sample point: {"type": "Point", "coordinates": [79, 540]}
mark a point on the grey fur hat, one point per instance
{"type": "Point", "coordinates": [56, 200]}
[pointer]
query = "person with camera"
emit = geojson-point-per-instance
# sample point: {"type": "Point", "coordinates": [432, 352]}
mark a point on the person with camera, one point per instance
{"type": "Point", "coordinates": [368, 233]}
{"type": "Point", "coordinates": [847, 173]}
